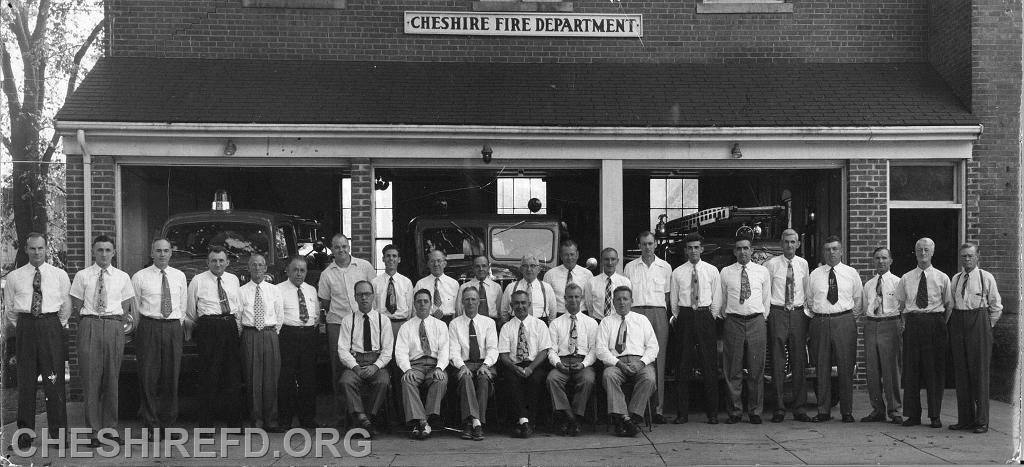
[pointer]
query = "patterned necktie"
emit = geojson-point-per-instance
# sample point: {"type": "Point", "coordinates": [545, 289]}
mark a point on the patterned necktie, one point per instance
{"type": "Point", "coordinates": [523, 346]}
{"type": "Point", "coordinates": [878, 293]}
{"type": "Point", "coordinates": [303, 311]}
{"type": "Point", "coordinates": [437, 294]}
{"type": "Point", "coordinates": [37, 293]}
{"type": "Point", "coordinates": [225, 306]}
{"type": "Point", "coordinates": [367, 334]}
{"type": "Point", "coordinates": [620, 340]}
{"type": "Point", "coordinates": [833, 287]}
{"type": "Point", "coordinates": [568, 280]}
{"type": "Point", "coordinates": [608, 296]}
{"type": "Point", "coordinates": [963, 289]}
{"type": "Point", "coordinates": [165, 295]}
{"type": "Point", "coordinates": [258, 310]}
{"type": "Point", "coordinates": [101, 294]}
{"type": "Point", "coordinates": [790, 281]}
{"type": "Point", "coordinates": [483, 309]}
{"type": "Point", "coordinates": [424, 339]}
{"type": "Point", "coordinates": [922, 292]}
{"type": "Point", "coordinates": [695, 290]}
{"type": "Point", "coordinates": [744, 285]}
{"type": "Point", "coordinates": [474, 345]}
{"type": "Point", "coordinates": [391, 302]}
{"type": "Point", "coordinates": [573, 336]}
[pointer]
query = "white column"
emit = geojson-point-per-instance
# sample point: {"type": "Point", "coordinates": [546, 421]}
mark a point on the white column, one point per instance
{"type": "Point", "coordinates": [611, 206]}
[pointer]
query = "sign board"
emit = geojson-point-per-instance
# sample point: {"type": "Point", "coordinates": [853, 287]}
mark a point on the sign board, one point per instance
{"type": "Point", "coordinates": [523, 24]}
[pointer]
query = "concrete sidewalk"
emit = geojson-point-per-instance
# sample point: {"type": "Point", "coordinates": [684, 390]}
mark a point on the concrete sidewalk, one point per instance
{"type": "Point", "coordinates": [786, 443]}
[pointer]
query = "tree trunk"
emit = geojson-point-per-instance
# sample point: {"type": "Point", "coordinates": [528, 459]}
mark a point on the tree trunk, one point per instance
{"type": "Point", "coordinates": [29, 184]}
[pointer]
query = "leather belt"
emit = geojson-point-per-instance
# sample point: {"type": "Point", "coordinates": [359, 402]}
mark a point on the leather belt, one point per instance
{"type": "Point", "coordinates": [24, 315]}
{"type": "Point", "coordinates": [832, 315]}
{"type": "Point", "coordinates": [700, 308]}
{"type": "Point", "coordinates": [933, 314]}
{"type": "Point", "coordinates": [218, 317]}
{"type": "Point", "coordinates": [887, 318]}
{"type": "Point", "coordinates": [744, 317]}
{"type": "Point", "coordinates": [783, 308]}
{"type": "Point", "coordinates": [973, 309]}
{"type": "Point", "coordinates": [264, 328]}
{"type": "Point", "coordinates": [113, 317]}
{"type": "Point", "coordinates": [162, 320]}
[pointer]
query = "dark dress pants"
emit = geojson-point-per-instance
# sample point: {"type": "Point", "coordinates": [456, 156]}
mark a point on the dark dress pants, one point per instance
{"type": "Point", "coordinates": [789, 328]}
{"type": "Point", "coordinates": [970, 337]}
{"type": "Point", "coordinates": [924, 357]}
{"type": "Point", "coordinates": [698, 347]}
{"type": "Point", "coordinates": [220, 362]}
{"type": "Point", "coordinates": [40, 351]}
{"type": "Point", "coordinates": [297, 386]}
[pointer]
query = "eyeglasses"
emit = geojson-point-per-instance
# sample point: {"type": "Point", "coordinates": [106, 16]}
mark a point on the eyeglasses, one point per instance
{"type": "Point", "coordinates": [364, 294]}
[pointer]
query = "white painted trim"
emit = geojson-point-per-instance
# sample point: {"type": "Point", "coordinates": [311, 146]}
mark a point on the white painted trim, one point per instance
{"type": "Point", "coordinates": [612, 208]}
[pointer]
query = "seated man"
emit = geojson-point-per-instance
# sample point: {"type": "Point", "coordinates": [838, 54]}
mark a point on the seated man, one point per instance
{"type": "Point", "coordinates": [421, 352]}
{"type": "Point", "coordinates": [573, 352]}
{"type": "Point", "coordinates": [474, 351]}
{"type": "Point", "coordinates": [523, 348]}
{"type": "Point", "coordinates": [627, 345]}
{"type": "Point", "coordinates": [365, 350]}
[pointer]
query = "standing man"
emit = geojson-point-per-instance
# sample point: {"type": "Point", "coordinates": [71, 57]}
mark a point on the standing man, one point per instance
{"type": "Point", "coordinates": [300, 313]}
{"type": "Point", "coordinates": [651, 278]}
{"type": "Point", "coordinates": [37, 306]}
{"type": "Point", "coordinates": [365, 349]}
{"type": "Point", "coordinates": [101, 295]}
{"type": "Point", "coordinates": [336, 290]}
{"type": "Point", "coordinates": [598, 291]}
{"type": "Point", "coordinates": [163, 293]}
{"type": "Point", "coordinates": [833, 293]}
{"type": "Point", "coordinates": [569, 272]}
{"type": "Point", "coordinates": [422, 354]}
{"type": "Point", "coordinates": [473, 342]}
{"type": "Point", "coordinates": [489, 292]}
{"type": "Point", "coordinates": [925, 296]}
{"type": "Point", "coordinates": [523, 347]}
{"type": "Point", "coordinates": [880, 317]}
{"type": "Point", "coordinates": [258, 324]}
{"type": "Point", "coordinates": [976, 308]}
{"type": "Point", "coordinates": [695, 292]}
{"type": "Point", "coordinates": [213, 303]}
{"type": "Point", "coordinates": [572, 355]}
{"type": "Point", "coordinates": [394, 291]}
{"type": "Point", "coordinates": [443, 289]}
{"type": "Point", "coordinates": [787, 325]}
{"type": "Point", "coordinates": [627, 345]}
{"type": "Point", "coordinates": [540, 295]}
{"type": "Point", "coordinates": [746, 297]}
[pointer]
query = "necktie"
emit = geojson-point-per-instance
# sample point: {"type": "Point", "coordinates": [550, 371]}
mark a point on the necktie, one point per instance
{"type": "Point", "coordinates": [568, 279]}
{"type": "Point", "coordinates": [573, 336]}
{"type": "Point", "coordinates": [101, 294]}
{"type": "Point", "coordinates": [225, 307]}
{"type": "Point", "coordinates": [922, 292]}
{"type": "Point", "coordinates": [303, 311]}
{"type": "Point", "coordinates": [165, 295]}
{"type": "Point", "coordinates": [620, 340]}
{"type": "Point", "coordinates": [483, 309]}
{"type": "Point", "coordinates": [608, 296]}
{"type": "Point", "coordinates": [833, 287]}
{"type": "Point", "coordinates": [744, 285]}
{"type": "Point", "coordinates": [425, 340]}
{"type": "Point", "coordinates": [523, 346]}
{"type": "Point", "coordinates": [258, 310]}
{"type": "Point", "coordinates": [437, 294]}
{"type": "Point", "coordinates": [37, 294]}
{"type": "Point", "coordinates": [694, 290]}
{"type": "Point", "coordinates": [367, 335]}
{"type": "Point", "coordinates": [789, 285]}
{"type": "Point", "coordinates": [963, 288]}
{"type": "Point", "coordinates": [474, 345]}
{"type": "Point", "coordinates": [391, 303]}
{"type": "Point", "coordinates": [878, 293]}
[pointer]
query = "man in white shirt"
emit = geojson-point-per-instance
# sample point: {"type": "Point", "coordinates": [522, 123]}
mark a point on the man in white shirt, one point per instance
{"type": "Point", "coordinates": [523, 349]}
{"type": "Point", "coordinates": [443, 289]}
{"type": "Point", "coordinates": [473, 342]}
{"type": "Point", "coordinates": [213, 303]}
{"type": "Point", "coordinates": [569, 272]}
{"type": "Point", "coordinates": [598, 292]}
{"type": "Point", "coordinates": [627, 345]}
{"type": "Point", "coordinates": [365, 349]}
{"type": "Point", "coordinates": [833, 293]}
{"type": "Point", "coordinates": [101, 295]}
{"type": "Point", "coordinates": [421, 351]}
{"type": "Point", "coordinates": [976, 308]}
{"type": "Point", "coordinates": [336, 290]}
{"type": "Point", "coordinates": [925, 296]}
{"type": "Point", "coordinates": [258, 324]}
{"type": "Point", "coordinates": [300, 314]}
{"type": "Point", "coordinates": [880, 317]}
{"type": "Point", "coordinates": [540, 295]}
{"type": "Point", "coordinates": [695, 292]}
{"type": "Point", "coordinates": [572, 356]}
{"type": "Point", "coordinates": [651, 277]}
{"type": "Point", "coordinates": [394, 291]}
{"type": "Point", "coordinates": [787, 326]}
{"type": "Point", "coordinates": [746, 298]}
{"type": "Point", "coordinates": [163, 293]}
{"type": "Point", "coordinates": [488, 290]}
{"type": "Point", "coordinates": [37, 306]}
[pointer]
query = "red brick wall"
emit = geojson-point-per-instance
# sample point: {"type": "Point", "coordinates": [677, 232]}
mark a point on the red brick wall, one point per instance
{"type": "Point", "coordinates": [949, 44]}
{"type": "Point", "coordinates": [817, 31]}
{"type": "Point", "coordinates": [362, 208]}
{"type": "Point", "coordinates": [868, 227]}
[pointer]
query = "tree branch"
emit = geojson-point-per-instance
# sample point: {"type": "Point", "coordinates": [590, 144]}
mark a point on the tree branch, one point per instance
{"type": "Point", "coordinates": [10, 88]}
{"type": "Point", "coordinates": [76, 63]}
{"type": "Point", "coordinates": [42, 22]}
{"type": "Point", "coordinates": [7, 143]}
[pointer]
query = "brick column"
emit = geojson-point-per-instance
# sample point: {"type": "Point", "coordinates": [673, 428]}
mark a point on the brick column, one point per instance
{"type": "Point", "coordinates": [361, 235]}
{"type": "Point", "coordinates": [868, 228]}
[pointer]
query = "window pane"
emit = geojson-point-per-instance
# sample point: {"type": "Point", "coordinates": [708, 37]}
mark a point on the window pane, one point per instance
{"type": "Point", "coordinates": [657, 193]}
{"type": "Point", "coordinates": [690, 194]}
{"type": "Point", "coordinates": [922, 183]}
{"type": "Point", "coordinates": [654, 218]}
{"type": "Point", "coordinates": [378, 261]}
{"type": "Point", "coordinates": [674, 193]}
{"type": "Point", "coordinates": [384, 223]}
{"type": "Point", "coordinates": [538, 189]}
{"type": "Point", "coordinates": [521, 192]}
{"type": "Point", "coordinates": [383, 198]}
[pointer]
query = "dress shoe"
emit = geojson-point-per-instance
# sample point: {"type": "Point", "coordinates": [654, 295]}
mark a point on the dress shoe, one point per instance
{"type": "Point", "coordinates": [874, 417]}
{"type": "Point", "coordinates": [681, 419]}
{"type": "Point", "coordinates": [478, 433]}
{"type": "Point", "coordinates": [424, 434]}
{"type": "Point", "coordinates": [629, 427]}
{"type": "Point", "coordinates": [778, 416]}
{"type": "Point", "coordinates": [912, 422]}
{"type": "Point", "coordinates": [936, 423]}
{"type": "Point", "coordinates": [24, 441]}
{"type": "Point", "coordinates": [755, 419]}
{"type": "Point", "coordinates": [658, 419]}
{"type": "Point", "coordinates": [822, 417]}
{"type": "Point", "coordinates": [467, 432]}
{"type": "Point", "coordinates": [960, 426]}
{"type": "Point", "coordinates": [563, 428]}
{"type": "Point", "coordinates": [712, 419]}
{"type": "Point", "coordinates": [896, 419]}
{"type": "Point", "coordinates": [620, 430]}
{"type": "Point", "coordinates": [525, 430]}
{"type": "Point", "coordinates": [980, 429]}
{"type": "Point", "coordinates": [732, 420]}
{"type": "Point", "coordinates": [848, 418]}
{"type": "Point", "coordinates": [574, 428]}
{"type": "Point", "coordinates": [802, 417]}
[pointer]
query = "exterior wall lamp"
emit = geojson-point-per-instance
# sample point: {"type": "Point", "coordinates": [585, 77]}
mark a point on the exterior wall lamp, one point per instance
{"type": "Point", "coordinates": [486, 153]}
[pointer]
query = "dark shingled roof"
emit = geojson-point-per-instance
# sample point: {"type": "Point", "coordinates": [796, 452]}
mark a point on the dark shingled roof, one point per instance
{"type": "Point", "coordinates": [123, 89]}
